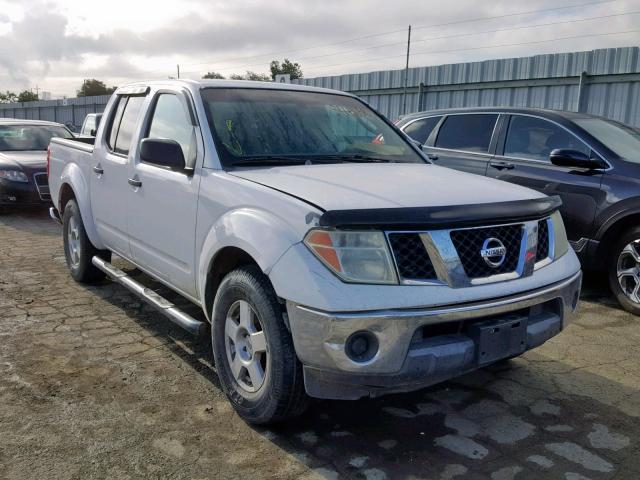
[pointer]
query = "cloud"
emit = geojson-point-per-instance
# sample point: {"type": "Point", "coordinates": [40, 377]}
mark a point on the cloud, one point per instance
{"type": "Point", "coordinates": [57, 44]}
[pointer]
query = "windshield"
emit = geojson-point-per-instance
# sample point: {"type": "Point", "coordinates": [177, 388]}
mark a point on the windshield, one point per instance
{"type": "Point", "coordinates": [29, 137]}
{"type": "Point", "coordinates": [266, 127]}
{"type": "Point", "coordinates": [622, 140]}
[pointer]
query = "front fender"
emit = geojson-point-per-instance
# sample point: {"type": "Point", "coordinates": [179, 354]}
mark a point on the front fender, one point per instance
{"type": "Point", "coordinates": [261, 234]}
{"type": "Point", "coordinates": [72, 175]}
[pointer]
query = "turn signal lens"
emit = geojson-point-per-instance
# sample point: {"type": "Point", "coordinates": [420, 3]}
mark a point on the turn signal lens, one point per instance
{"type": "Point", "coordinates": [560, 241]}
{"type": "Point", "coordinates": [355, 256]}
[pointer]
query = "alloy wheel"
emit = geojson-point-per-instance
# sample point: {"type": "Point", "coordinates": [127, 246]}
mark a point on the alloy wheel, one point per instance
{"type": "Point", "coordinates": [628, 271]}
{"type": "Point", "coordinates": [246, 346]}
{"type": "Point", "coordinates": [73, 237]}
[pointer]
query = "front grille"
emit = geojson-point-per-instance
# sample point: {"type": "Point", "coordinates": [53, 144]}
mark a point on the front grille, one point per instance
{"type": "Point", "coordinates": [543, 240]}
{"type": "Point", "coordinates": [411, 257]}
{"type": "Point", "coordinates": [469, 243]}
{"type": "Point", "coordinates": [42, 184]}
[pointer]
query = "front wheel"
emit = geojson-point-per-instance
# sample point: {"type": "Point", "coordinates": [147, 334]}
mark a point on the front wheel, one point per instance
{"type": "Point", "coordinates": [78, 249]}
{"type": "Point", "coordinates": [253, 350]}
{"type": "Point", "coordinates": [624, 270]}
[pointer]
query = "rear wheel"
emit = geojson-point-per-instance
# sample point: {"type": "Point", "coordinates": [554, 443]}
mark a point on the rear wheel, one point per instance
{"type": "Point", "coordinates": [624, 270]}
{"type": "Point", "coordinates": [78, 249]}
{"type": "Point", "coordinates": [253, 350]}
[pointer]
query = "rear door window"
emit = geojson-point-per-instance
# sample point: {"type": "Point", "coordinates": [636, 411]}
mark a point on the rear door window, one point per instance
{"type": "Point", "coordinates": [535, 138]}
{"type": "Point", "coordinates": [421, 129]}
{"type": "Point", "coordinates": [469, 132]}
{"type": "Point", "coordinates": [124, 124]}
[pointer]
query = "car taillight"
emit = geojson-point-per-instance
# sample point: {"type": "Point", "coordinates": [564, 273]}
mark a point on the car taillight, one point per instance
{"type": "Point", "coordinates": [48, 159]}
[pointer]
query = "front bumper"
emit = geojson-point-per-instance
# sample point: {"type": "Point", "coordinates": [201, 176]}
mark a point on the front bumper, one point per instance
{"type": "Point", "coordinates": [33, 192]}
{"type": "Point", "coordinates": [420, 347]}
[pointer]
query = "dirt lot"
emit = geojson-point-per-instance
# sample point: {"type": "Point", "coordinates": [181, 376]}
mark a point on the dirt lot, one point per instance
{"type": "Point", "coordinates": [95, 385]}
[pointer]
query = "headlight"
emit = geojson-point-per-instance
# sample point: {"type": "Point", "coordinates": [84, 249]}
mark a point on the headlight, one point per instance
{"type": "Point", "coordinates": [560, 242]}
{"type": "Point", "coordinates": [358, 257]}
{"type": "Point", "coordinates": [13, 175]}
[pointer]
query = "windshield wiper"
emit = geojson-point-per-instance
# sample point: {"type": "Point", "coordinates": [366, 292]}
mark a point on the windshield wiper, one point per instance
{"type": "Point", "coordinates": [269, 160]}
{"type": "Point", "coordinates": [359, 158]}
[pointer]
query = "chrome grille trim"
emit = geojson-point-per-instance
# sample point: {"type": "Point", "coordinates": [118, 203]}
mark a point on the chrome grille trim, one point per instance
{"type": "Point", "coordinates": [449, 268]}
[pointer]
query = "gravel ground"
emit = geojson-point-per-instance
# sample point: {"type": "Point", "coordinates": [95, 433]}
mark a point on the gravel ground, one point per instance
{"type": "Point", "coordinates": [95, 385]}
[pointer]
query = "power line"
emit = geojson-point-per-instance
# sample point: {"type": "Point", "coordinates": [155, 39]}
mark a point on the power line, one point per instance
{"type": "Point", "coordinates": [430, 52]}
{"type": "Point", "coordinates": [443, 37]}
{"type": "Point", "coordinates": [390, 32]}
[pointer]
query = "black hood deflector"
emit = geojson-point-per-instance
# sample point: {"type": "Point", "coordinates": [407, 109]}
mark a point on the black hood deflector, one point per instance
{"type": "Point", "coordinates": [454, 216]}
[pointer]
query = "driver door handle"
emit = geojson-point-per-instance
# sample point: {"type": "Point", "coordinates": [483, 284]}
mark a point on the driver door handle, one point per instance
{"type": "Point", "coordinates": [432, 156]}
{"type": "Point", "coordinates": [135, 183]}
{"type": "Point", "coordinates": [501, 165]}
{"type": "Point", "coordinates": [98, 170]}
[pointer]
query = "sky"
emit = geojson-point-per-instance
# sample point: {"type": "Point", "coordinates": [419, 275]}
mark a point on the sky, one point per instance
{"type": "Point", "coordinates": [53, 45]}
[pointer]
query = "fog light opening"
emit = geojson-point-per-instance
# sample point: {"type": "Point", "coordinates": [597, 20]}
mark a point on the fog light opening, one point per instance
{"type": "Point", "coordinates": [361, 346]}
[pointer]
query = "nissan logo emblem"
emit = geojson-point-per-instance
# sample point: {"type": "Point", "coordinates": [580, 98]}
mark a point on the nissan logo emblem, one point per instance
{"type": "Point", "coordinates": [493, 252]}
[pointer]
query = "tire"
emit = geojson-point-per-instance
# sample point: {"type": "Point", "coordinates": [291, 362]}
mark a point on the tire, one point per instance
{"type": "Point", "coordinates": [78, 249]}
{"type": "Point", "coordinates": [625, 258]}
{"type": "Point", "coordinates": [249, 337]}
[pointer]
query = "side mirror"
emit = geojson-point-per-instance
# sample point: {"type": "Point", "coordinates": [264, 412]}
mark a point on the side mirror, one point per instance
{"type": "Point", "coordinates": [564, 157]}
{"type": "Point", "coordinates": [92, 132]}
{"type": "Point", "coordinates": [162, 152]}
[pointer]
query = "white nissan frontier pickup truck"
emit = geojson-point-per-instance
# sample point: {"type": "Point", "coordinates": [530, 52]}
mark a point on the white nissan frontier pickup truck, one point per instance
{"type": "Point", "coordinates": [330, 257]}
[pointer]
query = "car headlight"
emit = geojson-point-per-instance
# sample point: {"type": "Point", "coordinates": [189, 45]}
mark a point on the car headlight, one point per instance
{"type": "Point", "coordinates": [13, 175]}
{"type": "Point", "coordinates": [560, 242]}
{"type": "Point", "coordinates": [354, 256]}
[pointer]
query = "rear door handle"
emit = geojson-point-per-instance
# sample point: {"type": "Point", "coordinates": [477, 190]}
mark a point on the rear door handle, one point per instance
{"type": "Point", "coordinates": [134, 183]}
{"type": "Point", "coordinates": [98, 170]}
{"type": "Point", "coordinates": [502, 165]}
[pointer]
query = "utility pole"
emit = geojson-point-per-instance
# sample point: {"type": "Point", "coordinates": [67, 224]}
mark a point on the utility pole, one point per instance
{"type": "Point", "coordinates": [178, 66]}
{"type": "Point", "coordinates": [406, 74]}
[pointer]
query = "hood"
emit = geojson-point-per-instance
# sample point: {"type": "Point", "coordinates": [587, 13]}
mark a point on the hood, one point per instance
{"type": "Point", "coordinates": [29, 159]}
{"type": "Point", "coordinates": [388, 185]}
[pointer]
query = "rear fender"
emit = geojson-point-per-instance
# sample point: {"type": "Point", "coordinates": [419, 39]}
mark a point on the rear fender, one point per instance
{"type": "Point", "coordinates": [72, 175]}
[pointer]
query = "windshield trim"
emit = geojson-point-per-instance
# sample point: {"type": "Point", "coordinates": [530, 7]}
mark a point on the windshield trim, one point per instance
{"type": "Point", "coordinates": [405, 138]}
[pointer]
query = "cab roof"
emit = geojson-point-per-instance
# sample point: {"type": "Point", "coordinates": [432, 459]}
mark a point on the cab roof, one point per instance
{"type": "Point", "coordinates": [195, 85]}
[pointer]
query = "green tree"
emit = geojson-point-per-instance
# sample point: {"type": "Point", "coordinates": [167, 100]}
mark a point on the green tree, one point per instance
{"type": "Point", "coordinates": [293, 69]}
{"type": "Point", "coordinates": [8, 97]}
{"type": "Point", "coordinates": [27, 96]}
{"type": "Point", "coordinates": [213, 75]}
{"type": "Point", "coordinates": [93, 87]}
{"type": "Point", "coordinates": [258, 77]}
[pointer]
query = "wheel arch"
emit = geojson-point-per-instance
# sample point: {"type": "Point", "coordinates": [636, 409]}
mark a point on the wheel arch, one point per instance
{"type": "Point", "coordinates": [612, 230]}
{"type": "Point", "coordinates": [226, 260]}
{"type": "Point", "coordinates": [74, 185]}
{"type": "Point", "coordinates": [241, 237]}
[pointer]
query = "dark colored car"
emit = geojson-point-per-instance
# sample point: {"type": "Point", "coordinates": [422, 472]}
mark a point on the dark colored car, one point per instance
{"type": "Point", "coordinates": [592, 163]}
{"type": "Point", "coordinates": [23, 161]}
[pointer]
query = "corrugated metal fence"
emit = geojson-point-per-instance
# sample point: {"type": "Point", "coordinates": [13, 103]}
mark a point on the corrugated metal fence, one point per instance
{"type": "Point", "coordinates": [70, 111]}
{"type": "Point", "coordinates": [603, 82]}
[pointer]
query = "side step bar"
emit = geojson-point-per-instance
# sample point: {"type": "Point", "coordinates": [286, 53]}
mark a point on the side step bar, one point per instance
{"type": "Point", "coordinates": [55, 216]}
{"type": "Point", "coordinates": [164, 306]}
